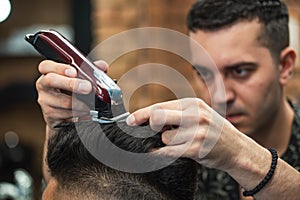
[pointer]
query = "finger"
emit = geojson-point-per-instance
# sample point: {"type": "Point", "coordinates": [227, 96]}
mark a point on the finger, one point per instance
{"type": "Point", "coordinates": [79, 106]}
{"type": "Point", "coordinates": [48, 66]}
{"type": "Point", "coordinates": [143, 115]}
{"type": "Point", "coordinates": [54, 99]}
{"type": "Point", "coordinates": [139, 117]}
{"type": "Point", "coordinates": [61, 101]}
{"type": "Point", "coordinates": [177, 136]}
{"type": "Point", "coordinates": [57, 115]}
{"type": "Point", "coordinates": [101, 64]}
{"type": "Point", "coordinates": [56, 81]}
{"type": "Point", "coordinates": [160, 118]}
{"type": "Point", "coordinates": [181, 104]}
{"type": "Point", "coordinates": [186, 150]}
{"type": "Point", "coordinates": [171, 151]}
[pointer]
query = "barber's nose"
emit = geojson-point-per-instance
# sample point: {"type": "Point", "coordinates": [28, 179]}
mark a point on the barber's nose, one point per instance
{"type": "Point", "coordinates": [222, 93]}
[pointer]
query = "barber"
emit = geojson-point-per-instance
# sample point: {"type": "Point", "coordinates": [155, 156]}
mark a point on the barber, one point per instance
{"type": "Point", "coordinates": [256, 141]}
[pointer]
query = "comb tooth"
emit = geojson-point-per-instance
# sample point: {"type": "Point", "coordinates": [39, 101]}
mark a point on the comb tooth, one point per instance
{"type": "Point", "coordinates": [29, 38]}
{"type": "Point", "coordinates": [105, 120]}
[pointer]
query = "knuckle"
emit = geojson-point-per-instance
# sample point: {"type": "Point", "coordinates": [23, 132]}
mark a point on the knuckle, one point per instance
{"type": "Point", "coordinates": [40, 101]}
{"type": "Point", "coordinates": [198, 101]}
{"type": "Point", "coordinates": [194, 150]}
{"type": "Point", "coordinates": [42, 65]}
{"type": "Point", "coordinates": [157, 117]}
{"type": "Point", "coordinates": [71, 84]}
{"type": "Point", "coordinates": [38, 84]}
{"type": "Point", "coordinates": [200, 136]}
{"type": "Point", "coordinates": [169, 137]}
{"type": "Point", "coordinates": [164, 139]}
{"type": "Point", "coordinates": [47, 80]}
{"type": "Point", "coordinates": [157, 106]}
{"type": "Point", "coordinates": [190, 118]}
{"type": "Point", "coordinates": [65, 103]}
{"type": "Point", "coordinates": [46, 112]}
{"type": "Point", "coordinates": [172, 153]}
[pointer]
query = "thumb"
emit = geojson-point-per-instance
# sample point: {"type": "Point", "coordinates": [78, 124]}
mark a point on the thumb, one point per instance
{"type": "Point", "coordinates": [101, 64]}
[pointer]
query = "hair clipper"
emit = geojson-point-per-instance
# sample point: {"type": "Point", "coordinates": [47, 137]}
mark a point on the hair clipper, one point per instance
{"type": "Point", "coordinates": [105, 100]}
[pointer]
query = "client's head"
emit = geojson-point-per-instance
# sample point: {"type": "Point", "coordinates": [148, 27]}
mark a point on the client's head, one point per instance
{"type": "Point", "coordinates": [76, 174]}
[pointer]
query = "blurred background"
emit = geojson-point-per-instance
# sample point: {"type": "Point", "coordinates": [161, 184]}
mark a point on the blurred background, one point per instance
{"type": "Point", "coordinates": [86, 23]}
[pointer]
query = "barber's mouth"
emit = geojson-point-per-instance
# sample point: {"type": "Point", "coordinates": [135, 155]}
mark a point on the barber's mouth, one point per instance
{"type": "Point", "coordinates": [234, 118]}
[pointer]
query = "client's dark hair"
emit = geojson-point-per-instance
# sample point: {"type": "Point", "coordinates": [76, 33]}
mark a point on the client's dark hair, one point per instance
{"type": "Point", "coordinates": [80, 174]}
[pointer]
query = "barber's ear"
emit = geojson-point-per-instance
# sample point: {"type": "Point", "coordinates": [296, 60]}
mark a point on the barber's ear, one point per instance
{"type": "Point", "coordinates": [287, 64]}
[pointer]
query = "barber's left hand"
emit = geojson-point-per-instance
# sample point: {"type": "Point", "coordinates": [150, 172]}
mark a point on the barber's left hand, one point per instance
{"type": "Point", "coordinates": [196, 132]}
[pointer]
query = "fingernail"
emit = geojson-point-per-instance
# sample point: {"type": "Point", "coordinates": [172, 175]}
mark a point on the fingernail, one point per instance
{"type": "Point", "coordinates": [153, 150]}
{"type": "Point", "coordinates": [102, 65]}
{"type": "Point", "coordinates": [130, 120]}
{"type": "Point", "coordinates": [84, 86]}
{"type": "Point", "coordinates": [70, 72]}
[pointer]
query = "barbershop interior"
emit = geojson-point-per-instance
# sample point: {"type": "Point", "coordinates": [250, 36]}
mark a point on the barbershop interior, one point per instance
{"type": "Point", "coordinates": [89, 24]}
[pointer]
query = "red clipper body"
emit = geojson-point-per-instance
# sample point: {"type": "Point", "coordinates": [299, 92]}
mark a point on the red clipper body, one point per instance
{"type": "Point", "coordinates": [106, 97]}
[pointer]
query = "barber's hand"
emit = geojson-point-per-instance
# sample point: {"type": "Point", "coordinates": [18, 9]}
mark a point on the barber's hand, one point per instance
{"type": "Point", "coordinates": [57, 105]}
{"type": "Point", "coordinates": [196, 131]}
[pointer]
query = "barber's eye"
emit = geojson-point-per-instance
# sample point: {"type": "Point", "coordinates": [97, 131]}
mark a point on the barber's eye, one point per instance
{"type": "Point", "coordinates": [205, 74]}
{"type": "Point", "coordinates": [240, 72]}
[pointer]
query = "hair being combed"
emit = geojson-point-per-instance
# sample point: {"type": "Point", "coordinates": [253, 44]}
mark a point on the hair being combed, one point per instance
{"type": "Point", "coordinates": [78, 172]}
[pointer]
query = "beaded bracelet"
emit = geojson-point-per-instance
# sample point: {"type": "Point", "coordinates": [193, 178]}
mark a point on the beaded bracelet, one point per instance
{"type": "Point", "coordinates": [267, 177]}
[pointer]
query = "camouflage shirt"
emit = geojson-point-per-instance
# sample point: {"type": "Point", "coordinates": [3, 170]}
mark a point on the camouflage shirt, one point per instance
{"type": "Point", "coordinates": [217, 185]}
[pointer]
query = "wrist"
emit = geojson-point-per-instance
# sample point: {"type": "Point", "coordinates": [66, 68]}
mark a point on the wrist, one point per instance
{"type": "Point", "coordinates": [251, 166]}
{"type": "Point", "coordinates": [268, 176]}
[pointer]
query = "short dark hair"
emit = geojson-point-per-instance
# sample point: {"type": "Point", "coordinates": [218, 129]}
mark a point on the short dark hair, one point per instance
{"type": "Point", "coordinates": [78, 172]}
{"type": "Point", "coordinates": [213, 15]}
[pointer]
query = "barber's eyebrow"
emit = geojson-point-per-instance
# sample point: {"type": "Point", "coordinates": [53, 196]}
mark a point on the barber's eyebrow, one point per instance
{"type": "Point", "coordinates": [240, 64]}
{"type": "Point", "coordinates": [227, 67]}
{"type": "Point", "coordinates": [197, 66]}
{"type": "Point", "coordinates": [200, 69]}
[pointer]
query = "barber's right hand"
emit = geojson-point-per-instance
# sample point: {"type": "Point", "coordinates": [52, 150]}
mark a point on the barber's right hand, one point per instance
{"type": "Point", "coordinates": [57, 106]}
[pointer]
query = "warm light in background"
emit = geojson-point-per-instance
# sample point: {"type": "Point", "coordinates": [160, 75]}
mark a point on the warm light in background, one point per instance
{"type": "Point", "coordinates": [294, 36]}
{"type": "Point", "coordinates": [5, 8]}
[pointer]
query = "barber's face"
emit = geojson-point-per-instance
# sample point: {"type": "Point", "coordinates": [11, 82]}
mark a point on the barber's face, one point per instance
{"type": "Point", "coordinates": [245, 80]}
